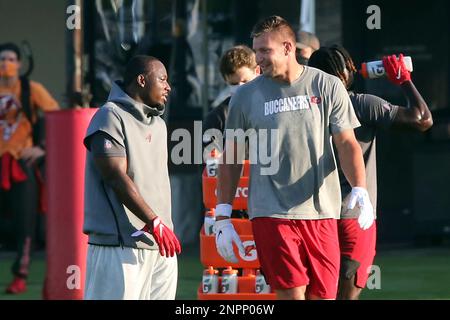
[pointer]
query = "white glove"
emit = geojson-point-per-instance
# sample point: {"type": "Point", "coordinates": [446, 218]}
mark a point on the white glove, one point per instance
{"type": "Point", "coordinates": [225, 236]}
{"type": "Point", "coordinates": [366, 216]}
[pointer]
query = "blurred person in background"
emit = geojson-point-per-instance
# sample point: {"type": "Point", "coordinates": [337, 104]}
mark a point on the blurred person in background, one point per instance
{"type": "Point", "coordinates": [307, 43]}
{"type": "Point", "coordinates": [21, 151]}
{"type": "Point", "coordinates": [237, 66]}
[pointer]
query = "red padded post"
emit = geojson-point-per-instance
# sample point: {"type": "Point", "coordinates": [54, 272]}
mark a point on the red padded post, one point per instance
{"type": "Point", "coordinates": [66, 243]}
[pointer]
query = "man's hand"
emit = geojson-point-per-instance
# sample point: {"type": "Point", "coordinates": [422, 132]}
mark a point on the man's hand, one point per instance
{"type": "Point", "coordinates": [165, 238]}
{"type": "Point", "coordinates": [30, 155]}
{"type": "Point", "coordinates": [396, 70]}
{"type": "Point", "coordinates": [361, 197]}
{"type": "Point", "coordinates": [225, 236]}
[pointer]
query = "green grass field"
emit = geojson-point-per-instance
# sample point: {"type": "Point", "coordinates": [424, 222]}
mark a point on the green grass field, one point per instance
{"type": "Point", "coordinates": [413, 274]}
{"type": "Point", "coordinates": [404, 274]}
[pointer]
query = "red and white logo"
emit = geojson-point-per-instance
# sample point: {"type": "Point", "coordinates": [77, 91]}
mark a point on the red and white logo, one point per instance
{"type": "Point", "coordinates": [108, 144]}
{"type": "Point", "coordinates": [250, 253]}
{"type": "Point", "coordinates": [315, 100]}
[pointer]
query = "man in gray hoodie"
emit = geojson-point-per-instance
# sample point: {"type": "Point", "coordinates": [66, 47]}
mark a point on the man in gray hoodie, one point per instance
{"type": "Point", "coordinates": [132, 248]}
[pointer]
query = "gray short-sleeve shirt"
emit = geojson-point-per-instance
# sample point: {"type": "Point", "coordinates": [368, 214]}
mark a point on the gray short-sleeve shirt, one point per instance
{"type": "Point", "coordinates": [374, 113]}
{"type": "Point", "coordinates": [293, 172]}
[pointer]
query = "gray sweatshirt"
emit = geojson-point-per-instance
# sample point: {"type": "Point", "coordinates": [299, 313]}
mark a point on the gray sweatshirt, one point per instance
{"type": "Point", "coordinates": [141, 131]}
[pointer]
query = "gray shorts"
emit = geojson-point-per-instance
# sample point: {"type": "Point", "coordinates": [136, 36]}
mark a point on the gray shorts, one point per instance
{"type": "Point", "coordinates": [113, 273]}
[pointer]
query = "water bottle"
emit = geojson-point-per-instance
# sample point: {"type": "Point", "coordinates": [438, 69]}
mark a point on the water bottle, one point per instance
{"type": "Point", "coordinates": [229, 280]}
{"type": "Point", "coordinates": [375, 69]}
{"type": "Point", "coordinates": [261, 285]}
{"type": "Point", "coordinates": [208, 224]}
{"type": "Point", "coordinates": [210, 280]}
{"type": "Point", "coordinates": [212, 164]}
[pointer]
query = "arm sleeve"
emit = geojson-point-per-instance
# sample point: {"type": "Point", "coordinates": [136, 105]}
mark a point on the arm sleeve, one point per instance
{"type": "Point", "coordinates": [373, 110]}
{"type": "Point", "coordinates": [103, 145]}
{"type": "Point", "coordinates": [342, 115]}
{"type": "Point", "coordinates": [105, 120]}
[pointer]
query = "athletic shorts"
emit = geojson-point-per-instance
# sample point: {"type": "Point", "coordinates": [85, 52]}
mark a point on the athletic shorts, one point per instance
{"type": "Point", "coordinates": [115, 273]}
{"type": "Point", "coordinates": [357, 250]}
{"type": "Point", "coordinates": [295, 253]}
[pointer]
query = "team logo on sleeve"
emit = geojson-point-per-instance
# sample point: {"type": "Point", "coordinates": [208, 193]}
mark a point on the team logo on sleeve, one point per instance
{"type": "Point", "coordinates": [108, 144]}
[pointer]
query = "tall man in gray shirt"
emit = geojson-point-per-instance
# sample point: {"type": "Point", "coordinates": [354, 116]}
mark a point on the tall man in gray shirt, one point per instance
{"type": "Point", "coordinates": [294, 207]}
{"type": "Point", "coordinates": [132, 249]}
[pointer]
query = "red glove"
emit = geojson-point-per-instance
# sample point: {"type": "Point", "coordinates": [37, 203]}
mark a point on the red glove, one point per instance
{"type": "Point", "coordinates": [165, 238]}
{"type": "Point", "coordinates": [396, 70]}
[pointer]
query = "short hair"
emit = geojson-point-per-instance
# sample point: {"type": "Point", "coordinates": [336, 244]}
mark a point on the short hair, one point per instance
{"type": "Point", "coordinates": [307, 39]}
{"type": "Point", "coordinates": [332, 60]}
{"type": "Point", "coordinates": [137, 65]}
{"type": "Point", "coordinates": [273, 23]}
{"type": "Point", "coordinates": [236, 58]}
{"type": "Point", "coordinates": [9, 46]}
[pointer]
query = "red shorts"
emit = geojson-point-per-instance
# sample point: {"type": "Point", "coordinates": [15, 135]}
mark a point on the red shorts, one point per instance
{"type": "Point", "coordinates": [357, 250]}
{"type": "Point", "coordinates": [295, 253]}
